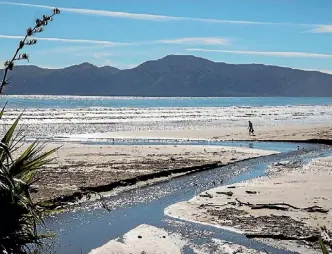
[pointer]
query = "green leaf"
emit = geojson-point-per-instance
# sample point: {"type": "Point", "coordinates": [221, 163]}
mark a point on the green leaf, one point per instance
{"type": "Point", "coordinates": [27, 151]}
{"type": "Point", "coordinates": [322, 245]}
{"type": "Point", "coordinates": [30, 161]}
{"type": "Point", "coordinates": [3, 110]}
{"type": "Point", "coordinates": [41, 159]}
{"type": "Point", "coordinates": [6, 139]}
{"type": "Point", "coordinates": [17, 167]}
{"type": "Point", "coordinates": [5, 148]}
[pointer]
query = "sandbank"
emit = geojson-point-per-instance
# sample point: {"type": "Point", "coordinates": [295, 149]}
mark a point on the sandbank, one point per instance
{"type": "Point", "coordinates": [143, 239]}
{"type": "Point", "coordinates": [77, 165]}
{"type": "Point", "coordinates": [292, 183]}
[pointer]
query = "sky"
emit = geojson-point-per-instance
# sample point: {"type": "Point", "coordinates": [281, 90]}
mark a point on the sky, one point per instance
{"type": "Point", "coordinates": [125, 33]}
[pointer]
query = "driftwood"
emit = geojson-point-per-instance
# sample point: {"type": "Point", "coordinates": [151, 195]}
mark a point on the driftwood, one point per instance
{"type": "Point", "coordinates": [315, 209]}
{"type": "Point", "coordinates": [268, 206]}
{"type": "Point", "coordinates": [325, 236]}
{"type": "Point", "coordinates": [282, 204]}
{"type": "Point", "coordinates": [212, 205]}
{"type": "Point", "coordinates": [227, 193]}
{"type": "Point", "coordinates": [206, 195]}
{"type": "Point", "coordinates": [231, 187]}
{"type": "Point", "coordinates": [251, 192]}
{"type": "Point", "coordinates": [280, 236]}
{"type": "Point", "coordinates": [217, 205]}
{"type": "Point", "coordinates": [283, 207]}
{"type": "Point", "coordinates": [242, 203]}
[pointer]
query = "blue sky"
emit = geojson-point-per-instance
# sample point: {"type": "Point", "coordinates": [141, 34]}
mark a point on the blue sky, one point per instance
{"type": "Point", "coordinates": [125, 33]}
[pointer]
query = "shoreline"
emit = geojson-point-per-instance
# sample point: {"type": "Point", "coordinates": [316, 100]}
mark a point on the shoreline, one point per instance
{"type": "Point", "coordinates": [226, 210]}
{"type": "Point", "coordinates": [143, 239]}
{"type": "Point", "coordinates": [168, 213]}
{"type": "Point", "coordinates": [80, 194]}
{"type": "Point", "coordinates": [232, 244]}
{"type": "Point", "coordinates": [180, 141]}
{"type": "Point", "coordinates": [301, 134]}
{"type": "Point", "coordinates": [278, 132]}
{"type": "Point", "coordinates": [64, 201]}
{"type": "Point", "coordinates": [107, 168]}
{"type": "Point", "coordinates": [187, 226]}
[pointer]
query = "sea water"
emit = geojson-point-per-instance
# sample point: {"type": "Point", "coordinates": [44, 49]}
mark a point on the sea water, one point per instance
{"type": "Point", "coordinates": [52, 116]}
{"type": "Point", "coordinates": [41, 101]}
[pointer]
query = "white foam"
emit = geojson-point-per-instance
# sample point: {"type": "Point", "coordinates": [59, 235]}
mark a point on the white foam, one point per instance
{"type": "Point", "coordinates": [267, 114]}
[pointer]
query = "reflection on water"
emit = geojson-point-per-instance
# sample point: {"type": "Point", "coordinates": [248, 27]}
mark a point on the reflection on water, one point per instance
{"type": "Point", "coordinates": [91, 227]}
{"type": "Point", "coordinates": [272, 146]}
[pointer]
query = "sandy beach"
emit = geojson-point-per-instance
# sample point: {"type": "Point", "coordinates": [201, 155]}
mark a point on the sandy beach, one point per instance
{"type": "Point", "coordinates": [152, 240]}
{"type": "Point", "coordinates": [277, 132]}
{"type": "Point", "coordinates": [297, 197]}
{"type": "Point", "coordinates": [77, 165]}
{"type": "Point", "coordinates": [174, 121]}
{"type": "Point", "coordinates": [143, 239]}
{"type": "Point", "coordinates": [293, 200]}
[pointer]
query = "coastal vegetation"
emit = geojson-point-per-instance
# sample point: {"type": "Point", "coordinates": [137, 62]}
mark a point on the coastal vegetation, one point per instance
{"type": "Point", "coordinates": [20, 216]}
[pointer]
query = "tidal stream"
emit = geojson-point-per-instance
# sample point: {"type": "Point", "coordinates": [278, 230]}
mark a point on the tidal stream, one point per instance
{"type": "Point", "coordinates": [89, 226]}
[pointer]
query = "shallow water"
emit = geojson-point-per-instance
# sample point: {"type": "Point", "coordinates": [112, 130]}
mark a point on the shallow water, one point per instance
{"type": "Point", "coordinates": [40, 101]}
{"type": "Point", "coordinates": [272, 146]}
{"type": "Point", "coordinates": [67, 116]}
{"type": "Point", "coordinates": [90, 226]}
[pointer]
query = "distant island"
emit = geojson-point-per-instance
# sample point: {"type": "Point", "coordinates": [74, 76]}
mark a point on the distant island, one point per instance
{"type": "Point", "coordinates": [173, 75]}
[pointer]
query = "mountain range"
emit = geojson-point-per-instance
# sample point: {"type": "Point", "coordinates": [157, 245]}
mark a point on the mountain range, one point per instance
{"type": "Point", "coordinates": [173, 75]}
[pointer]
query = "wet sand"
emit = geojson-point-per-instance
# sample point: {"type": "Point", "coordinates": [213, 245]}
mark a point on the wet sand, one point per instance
{"type": "Point", "coordinates": [278, 132]}
{"type": "Point", "coordinates": [291, 183]}
{"type": "Point", "coordinates": [222, 123]}
{"type": "Point", "coordinates": [93, 165]}
{"type": "Point", "coordinates": [77, 165]}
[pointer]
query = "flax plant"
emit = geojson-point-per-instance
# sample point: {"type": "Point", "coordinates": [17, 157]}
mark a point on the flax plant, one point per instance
{"type": "Point", "coordinates": [19, 214]}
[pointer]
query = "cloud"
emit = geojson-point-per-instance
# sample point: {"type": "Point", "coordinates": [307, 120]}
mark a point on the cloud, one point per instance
{"type": "Point", "coordinates": [197, 41]}
{"type": "Point", "coordinates": [266, 53]}
{"type": "Point", "coordinates": [322, 29]}
{"type": "Point", "coordinates": [102, 54]}
{"type": "Point", "coordinates": [73, 49]}
{"type": "Point", "coordinates": [102, 43]}
{"type": "Point", "coordinates": [95, 42]}
{"type": "Point", "coordinates": [150, 17]}
{"type": "Point", "coordinates": [106, 59]}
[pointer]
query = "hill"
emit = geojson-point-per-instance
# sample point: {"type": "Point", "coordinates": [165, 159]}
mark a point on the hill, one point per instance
{"type": "Point", "coordinates": [173, 75]}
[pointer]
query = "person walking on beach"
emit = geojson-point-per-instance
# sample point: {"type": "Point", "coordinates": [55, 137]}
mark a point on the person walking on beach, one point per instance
{"type": "Point", "coordinates": [251, 128]}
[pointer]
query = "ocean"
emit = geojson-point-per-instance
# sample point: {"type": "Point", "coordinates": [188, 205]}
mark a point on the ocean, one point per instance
{"type": "Point", "coordinates": [37, 101]}
{"type": "Point", "coordinates": [65, 116]}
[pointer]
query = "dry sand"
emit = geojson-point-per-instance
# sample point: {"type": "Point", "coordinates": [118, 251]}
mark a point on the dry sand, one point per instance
{"type": "Point", "coordinates": [148, 239]}
{"type": "Point", "coordinates": [144, 239]}
{"type": "Point", "coordinates": [300, 186]}
{"type": "Point", "coordinates": [78, 165]}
